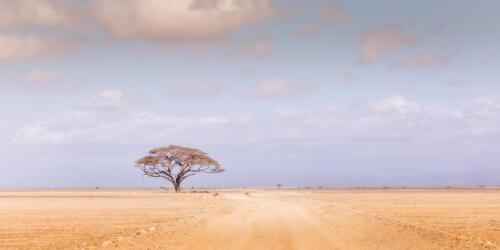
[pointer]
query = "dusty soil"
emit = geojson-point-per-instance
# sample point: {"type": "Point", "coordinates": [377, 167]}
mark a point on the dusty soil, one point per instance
{"type": "Point", "coordinates": [251, 219]}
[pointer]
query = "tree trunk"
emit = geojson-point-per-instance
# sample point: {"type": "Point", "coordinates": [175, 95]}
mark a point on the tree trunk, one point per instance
{"type": "Point", "coordinates": [177, 187]}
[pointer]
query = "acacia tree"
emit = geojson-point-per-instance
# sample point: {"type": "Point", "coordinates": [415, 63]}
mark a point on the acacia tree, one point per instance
{"type": "Point", "coordinates": [176, 163]}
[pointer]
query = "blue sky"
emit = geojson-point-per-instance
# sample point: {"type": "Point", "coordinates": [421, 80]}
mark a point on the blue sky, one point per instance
{"type": "Point", "coordinates": [332, 93]}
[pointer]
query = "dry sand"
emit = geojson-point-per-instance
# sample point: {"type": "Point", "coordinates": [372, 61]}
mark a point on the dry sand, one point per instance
{"type": "Point", "coordinates": [251, 219]}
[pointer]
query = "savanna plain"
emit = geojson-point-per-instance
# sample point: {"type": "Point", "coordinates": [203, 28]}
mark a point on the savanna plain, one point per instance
{"type": "Point", "coordinates": [250, 219]}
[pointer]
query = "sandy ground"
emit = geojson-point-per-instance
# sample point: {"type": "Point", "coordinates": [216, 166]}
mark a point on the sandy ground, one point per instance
{"type": "Point", "coordinates": [251, 219]}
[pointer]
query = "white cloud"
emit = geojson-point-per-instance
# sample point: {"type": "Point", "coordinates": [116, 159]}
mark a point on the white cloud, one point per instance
{"type": "Point", "coordinates": [39, 133]}
{"type": "Point", "coordinates": [487, 107]}
{"type": "Point", "coordinates": [24, 25]}
{"type": "Point", "coordinates": [106, 100]}
{"type": "Point", "coordinates": [17, 47]}
{"type": "Point", "coordinates": [395, 103]}
{"type": "Point", "coordinates": [148, 118]}
{"type": "Point", "coordinates": [389, 121]}
{"type": "Point", "coordinates": [178, 21]}
{"type": "Point", "coordinates": [82, 127]}
{"type": "Point", "coordinates": [15, 14]}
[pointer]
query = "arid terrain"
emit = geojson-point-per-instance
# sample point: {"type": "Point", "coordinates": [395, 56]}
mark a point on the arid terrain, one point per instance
{"type": "Point", "coordinates": [251, 219]}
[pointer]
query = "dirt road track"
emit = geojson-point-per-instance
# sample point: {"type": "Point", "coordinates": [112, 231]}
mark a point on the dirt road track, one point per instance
{"type": "Point", "coordinates": [261, 223]}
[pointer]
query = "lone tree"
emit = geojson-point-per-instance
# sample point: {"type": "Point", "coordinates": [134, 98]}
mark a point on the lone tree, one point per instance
{"type": "Point", "coordinates": [176, 163]}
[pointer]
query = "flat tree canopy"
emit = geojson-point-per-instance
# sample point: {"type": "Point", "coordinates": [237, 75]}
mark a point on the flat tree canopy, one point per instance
{"type": "Point", "coordinates": [176, 163]}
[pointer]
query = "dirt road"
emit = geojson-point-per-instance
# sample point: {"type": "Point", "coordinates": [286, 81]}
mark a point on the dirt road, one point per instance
{"type": "Point", "coordinates": [250, 219]}
{"type": "Point", "coordinates": [263, 223]}
{"type": "Point", "coordinates": [292, 220]}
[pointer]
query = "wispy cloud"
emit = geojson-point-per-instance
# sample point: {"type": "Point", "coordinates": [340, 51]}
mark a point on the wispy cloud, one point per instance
{"type": "Point", "coordinates": [390, 120]}
{"type": "Point", "coordinates": [425, 61]}
{"type": "Point", "coordinates": [15, 14]}
{"type": "Point", "coordinates": [178, 21]}
{"type": "Point", "coordinates": [21, 47]}
{"type": "Point", "coordinates": [376, 44]}
{"type": "Point", "coordinates": [306, 30]}
{"type": "Point", "coordinates": [332, 13]}
{"type": "Point", "coordinates": [273, 87]}
{"type": "Point", "coordinates": [279, 86]}
{"type": "Point", "coordinates": [395, 103]}
{"type": "Point", "coordinates": [253, 48]}
{"type": "Point", "coordinates": [110, 99]}
{"type": "Point", "coordinates": [41, 77]}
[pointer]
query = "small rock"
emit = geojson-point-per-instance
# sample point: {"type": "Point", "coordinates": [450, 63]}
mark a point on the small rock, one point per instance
{"type": "Point", "coordinates": [152, 228]}
{"type": "Point", "coordinates": [141, 232]}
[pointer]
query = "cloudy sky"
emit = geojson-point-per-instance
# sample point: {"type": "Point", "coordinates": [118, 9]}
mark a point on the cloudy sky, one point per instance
{"type": "Point", "coordinates": [332, 93]}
